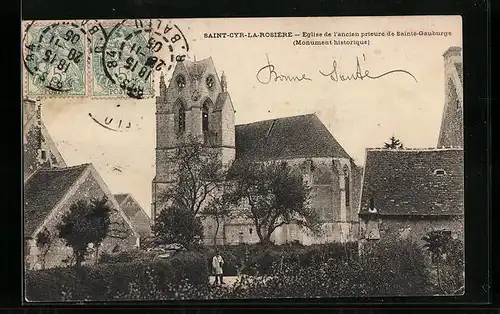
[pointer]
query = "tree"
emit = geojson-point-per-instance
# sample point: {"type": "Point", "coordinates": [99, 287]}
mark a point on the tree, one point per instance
{"type": "Point", "coordinates": [44, 242]}
{"type": "Point", "coordinates": [85, 223]}
{"type": "Point", "coordinates": [198, 171]}
{"type": "Point", "coordinates": [437, 243]}
{"type": "Point", "coordinates": [220, 207]}
{"type": "Point", "coordinates": [274, 196]}
{"type": "Point", "coordinates": [394, 143]}
{"type": "Point", "coordinates": [454, 264]}
{"type": "Point", "coordinates": [177, 224]}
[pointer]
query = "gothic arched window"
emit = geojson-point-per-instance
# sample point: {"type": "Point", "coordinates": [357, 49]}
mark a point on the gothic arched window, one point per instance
{"type": "Point", "coordinates": [204, 117]}
{"type": "Point", "coordinates": [347, 184]}
{"type": "Point", "coordinates": [182, 119]}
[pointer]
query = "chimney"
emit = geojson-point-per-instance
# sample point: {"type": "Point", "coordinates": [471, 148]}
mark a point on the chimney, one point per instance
{"type": "Point", "coordinates": [452, 55]}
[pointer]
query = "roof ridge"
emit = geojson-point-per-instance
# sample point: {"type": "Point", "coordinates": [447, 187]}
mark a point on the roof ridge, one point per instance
{"type": "Point", "coordinates": [450, 148]}
{"type": "Point", "coordinates": [31, 176]}
{"type": "Point", "coordinates": [55, 169]}
{"type": "Point", "coordinates": [280, 118]}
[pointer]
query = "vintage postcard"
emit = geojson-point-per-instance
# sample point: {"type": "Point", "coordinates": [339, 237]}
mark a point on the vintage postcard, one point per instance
{"type": "Point", "coordinates": [169, 159]}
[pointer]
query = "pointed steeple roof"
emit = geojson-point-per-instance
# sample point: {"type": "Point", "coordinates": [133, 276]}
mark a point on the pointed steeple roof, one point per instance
{"type": "Point", "coordinates": [223, 82]}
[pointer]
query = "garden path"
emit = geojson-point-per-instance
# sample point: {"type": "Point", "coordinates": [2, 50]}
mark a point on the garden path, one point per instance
{"type": "Point", "coordinates": [228, 280]}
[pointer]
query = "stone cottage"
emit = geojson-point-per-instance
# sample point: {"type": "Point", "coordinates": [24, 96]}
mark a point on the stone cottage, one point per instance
{"type": "Point", "coordinates": [50, 188]}
{"type": "Point", "coordinates": [136, 214]}
{"type": "Point", "coordinates": [407, 193]}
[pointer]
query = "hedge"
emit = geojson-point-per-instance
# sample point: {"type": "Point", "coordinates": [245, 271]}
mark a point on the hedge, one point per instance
{"type": "Point", "coordinates": [128, 256]}
{"type": "Point", "coordinates": [385, 269]}
{"type": "Point", "coordinates": [280, 256]}
{"type": "Point", "coordinates": [259, 259]}
{"type": "Point", "coordinates": [252, 259]}
{"type": "Point", "coordinates": [135, 280]}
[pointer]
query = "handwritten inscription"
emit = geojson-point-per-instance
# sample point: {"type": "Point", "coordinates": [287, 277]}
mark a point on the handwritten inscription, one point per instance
{"type": "Point", "coordinates": [360, 74]}
{"type": "Point", "coordinates": [269, 74]}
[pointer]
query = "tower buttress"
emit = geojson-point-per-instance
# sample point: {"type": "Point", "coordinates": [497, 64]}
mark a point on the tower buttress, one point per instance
{"type": "Point", "coordinates": [163, 87]}
{"type": "Point", "coordinates": [451, 132]}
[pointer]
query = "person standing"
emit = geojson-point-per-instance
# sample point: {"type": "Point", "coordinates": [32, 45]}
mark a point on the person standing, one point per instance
{"type": "Point", "coordinates": [217, 264]}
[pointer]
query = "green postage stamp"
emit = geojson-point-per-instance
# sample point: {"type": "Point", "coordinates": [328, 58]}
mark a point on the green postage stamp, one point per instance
{"type": "Point", "coordinates": [101, 59]}
{"type": "Point", "coordinates": [54, 57]}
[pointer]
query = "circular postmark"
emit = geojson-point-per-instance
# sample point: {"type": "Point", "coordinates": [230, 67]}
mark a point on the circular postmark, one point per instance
{"type": "Point", "coordinates": [135, 49]}
{"type": "Point", "coordinates": [54, 57]}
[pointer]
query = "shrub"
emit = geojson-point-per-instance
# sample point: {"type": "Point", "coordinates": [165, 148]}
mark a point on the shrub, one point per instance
{"type": "Point", "coordinates": [386, 269]}
{"type": "Point", "coordinates": [265, 258]}
{"type": "Point", "coordinates": [128, 256]}
{"type": "Point", "coordinates": [396, 268]}
{"type": "Point", "coordinates": [133, 280]}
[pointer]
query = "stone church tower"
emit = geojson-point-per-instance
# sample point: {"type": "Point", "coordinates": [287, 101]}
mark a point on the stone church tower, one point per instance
{"type": "Point", "coordinates": [451, 133]}
{"type": "Point", "coordinates": [194, 106]}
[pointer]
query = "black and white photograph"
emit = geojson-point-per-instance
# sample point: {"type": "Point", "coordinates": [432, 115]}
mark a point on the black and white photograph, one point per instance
{"type": "Point", "coordinates": [243, 158]}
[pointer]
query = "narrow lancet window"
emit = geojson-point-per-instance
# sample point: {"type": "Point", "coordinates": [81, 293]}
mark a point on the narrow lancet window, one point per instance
{"type": "Point", "coordinates": [205, 117]}
{"type": "Point", "coordinates": [347, 183]}
{"type": "Point", "coordinates": [182, 119]}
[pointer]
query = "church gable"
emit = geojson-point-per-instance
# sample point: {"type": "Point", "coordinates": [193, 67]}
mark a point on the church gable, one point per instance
{"type": "Point", "coordinates": [193, 83]}
{"type": "Point", "coordinates": [39, 149]}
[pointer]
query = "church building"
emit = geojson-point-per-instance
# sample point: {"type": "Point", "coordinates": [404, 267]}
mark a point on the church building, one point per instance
{"type": "Point", "coordinates": [196, 104]}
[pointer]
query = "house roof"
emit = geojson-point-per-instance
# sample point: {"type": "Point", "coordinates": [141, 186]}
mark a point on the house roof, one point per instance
{"type": "Point", "coordinates": [120, 197]}
{"type": "Point", "coordinates": [43, 191]}
{"type": "Point", "coordinates": [404, 182]}
{"type": "Point", "coordinates": [135, 213]}
{"type": "Point", "coordinates": [286, 138]}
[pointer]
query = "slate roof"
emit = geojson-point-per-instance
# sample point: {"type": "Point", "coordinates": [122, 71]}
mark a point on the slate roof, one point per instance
{"type": "Point", "coordinates": [286, 138]}
{"type": "Point", "coordinates": [120, 197]}
{"type": "Point", "coordinates": [402, 182]}
{"type": "Point", "coordinates": [135, 213]}
{"type": "Point", "coordinates": [43, 190]}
